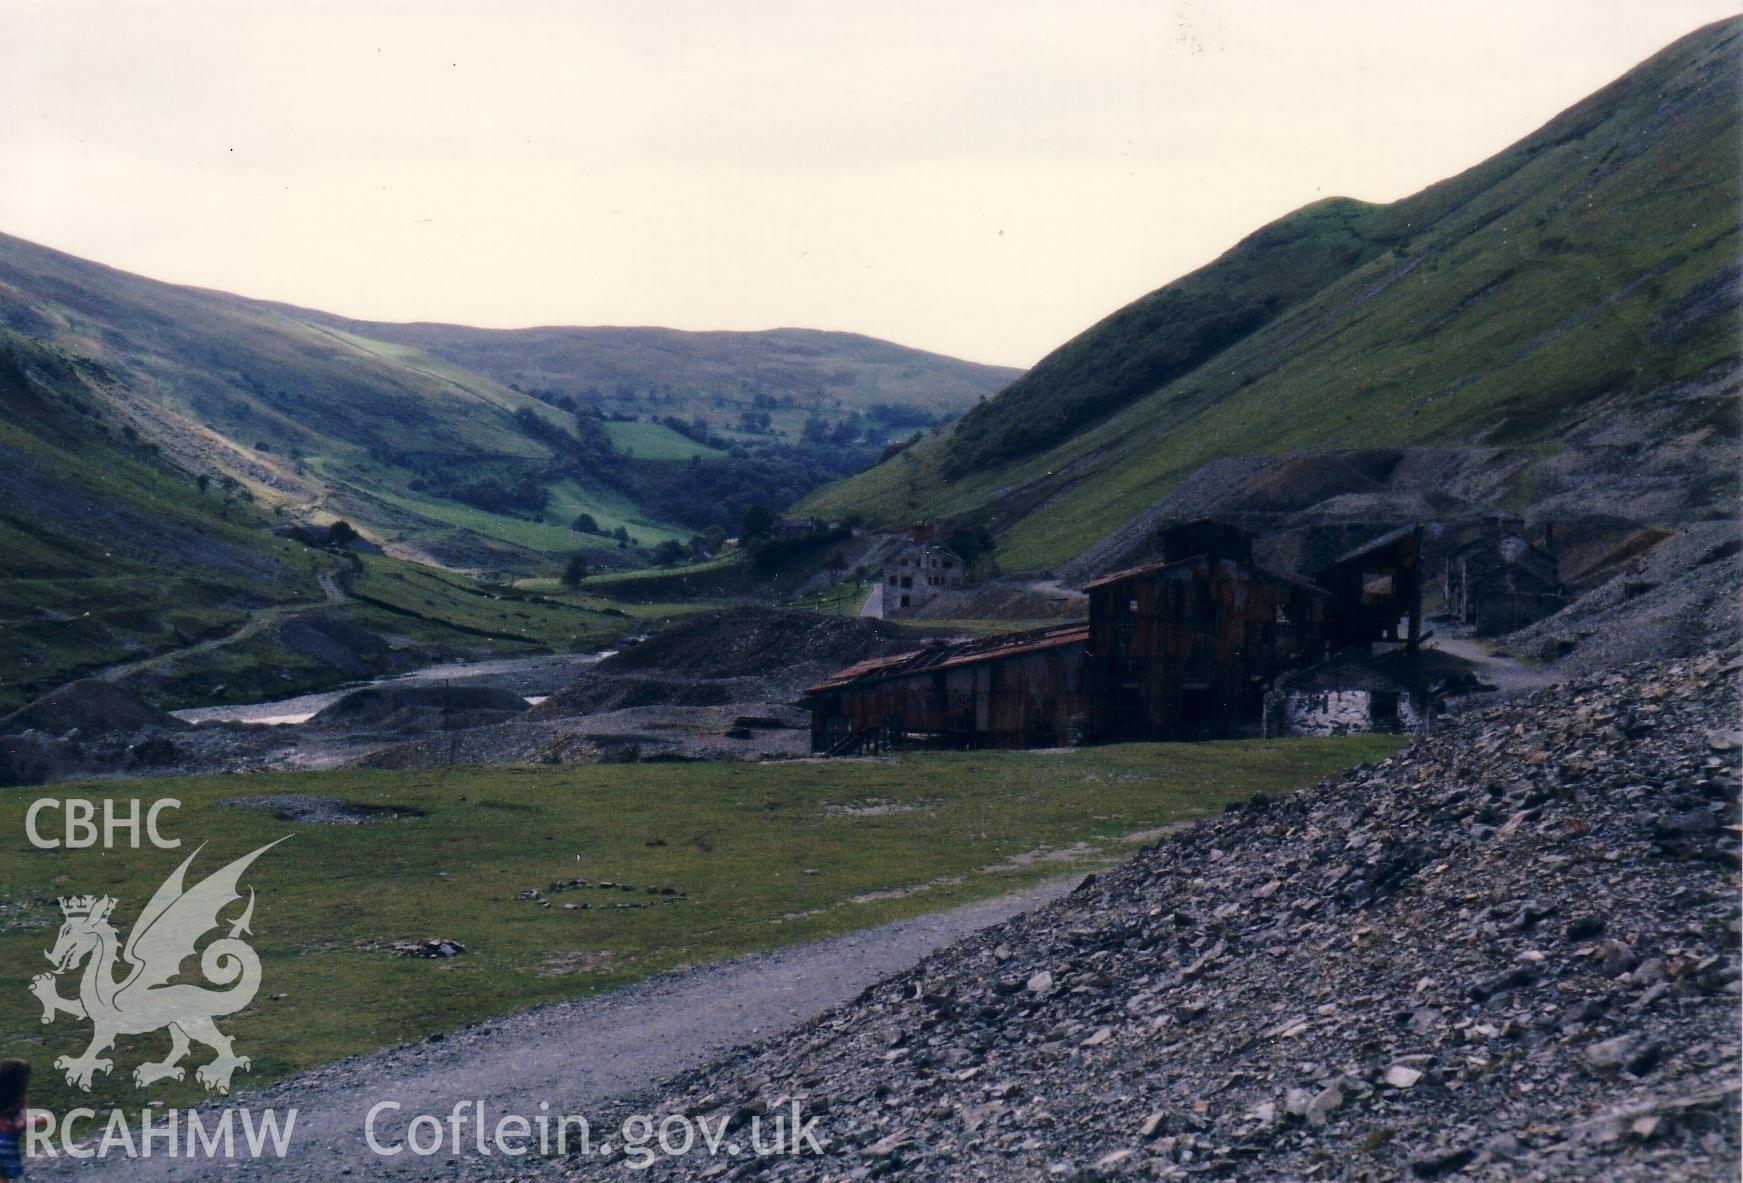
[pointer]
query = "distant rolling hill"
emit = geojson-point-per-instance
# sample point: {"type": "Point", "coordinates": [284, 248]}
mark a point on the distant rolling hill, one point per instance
{"type": "Point", "coordinates": [154, 437]}
{"type": "Point", "coordinates": [712, 374]}
{"type": "Point", "coordinates": [389, 427]}
{"type": "Point", "coordinates": [1558, 326]}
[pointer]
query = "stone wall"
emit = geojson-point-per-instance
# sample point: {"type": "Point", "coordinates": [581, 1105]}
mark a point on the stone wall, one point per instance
{"type": "Point", "coordinates": [1343, 712]}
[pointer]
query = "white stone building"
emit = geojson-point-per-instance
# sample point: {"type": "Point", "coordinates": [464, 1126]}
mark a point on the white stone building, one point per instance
{"type": "Point", "coordinates": [916, 574]}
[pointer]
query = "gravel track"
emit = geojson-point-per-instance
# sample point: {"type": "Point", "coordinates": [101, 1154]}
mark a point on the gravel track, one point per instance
{"type": "Point", "coordinates": [574, 1055]}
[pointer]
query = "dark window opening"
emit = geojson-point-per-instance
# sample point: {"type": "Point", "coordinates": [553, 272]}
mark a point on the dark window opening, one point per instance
{"type": "Point", "coordinates": [1383, 708]}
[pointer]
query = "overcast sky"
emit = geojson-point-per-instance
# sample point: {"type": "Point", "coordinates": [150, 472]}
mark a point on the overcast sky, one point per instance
{"type": "Point", "coordinates": [980, 178]}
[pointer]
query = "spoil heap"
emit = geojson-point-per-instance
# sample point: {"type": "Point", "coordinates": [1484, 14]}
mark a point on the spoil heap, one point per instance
{"type": "Point", "coordinates": [736, 655]}
{"type": "Point", "coordinates": [1509, 951]}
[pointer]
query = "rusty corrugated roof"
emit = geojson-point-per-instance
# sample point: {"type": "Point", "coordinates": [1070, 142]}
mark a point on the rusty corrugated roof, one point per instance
{"type": "Point", "coordinates": [1011, 644]}
{"type": "Point", "coordinates": [862, 669]}
{"type": "Point", "coordinates": [960, 653]}
{"type": "Point", "coordinates": [1385, 541]}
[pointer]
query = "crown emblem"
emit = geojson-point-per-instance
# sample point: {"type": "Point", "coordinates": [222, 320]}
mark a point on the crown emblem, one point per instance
{"type": "Point", "coordinates": [78, 905]}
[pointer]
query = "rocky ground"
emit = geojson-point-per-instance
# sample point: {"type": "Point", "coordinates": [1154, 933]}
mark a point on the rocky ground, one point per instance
{"type": "Point", "coordinates": [87, 726]}
{"type": "Point", "coordinates": [714, 686]}
{"type": "Point", "coordinates": [96, 728]}
{"type": "Point", "coordinates": [1510, 951]}
{"type": "Point", "coordinates": [746, 729]}
{"type": "Point", "coordinates": [1672, 599]}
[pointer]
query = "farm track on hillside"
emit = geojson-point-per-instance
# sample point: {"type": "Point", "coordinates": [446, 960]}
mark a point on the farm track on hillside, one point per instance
{"type": "Point", "coordinates": [332, 592]}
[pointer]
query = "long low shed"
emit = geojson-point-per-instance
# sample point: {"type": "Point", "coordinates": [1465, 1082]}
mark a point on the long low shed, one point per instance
{"type": "Point", "coordinates": [1017, 690]}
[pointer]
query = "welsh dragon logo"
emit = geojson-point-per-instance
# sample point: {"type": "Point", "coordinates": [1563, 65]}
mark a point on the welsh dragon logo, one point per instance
{"type": "Point", "coordinates": [147, 998]}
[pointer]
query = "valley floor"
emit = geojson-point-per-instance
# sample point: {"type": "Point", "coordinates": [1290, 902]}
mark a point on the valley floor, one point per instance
{"type": "Point", "coordinates": [557, 883]}
{"type": "Point", "coordinates": [577, 1055]}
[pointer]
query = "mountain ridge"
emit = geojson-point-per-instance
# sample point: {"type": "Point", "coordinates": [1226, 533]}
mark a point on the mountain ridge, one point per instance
{"type": "Point", "coordinates": [596, 355]}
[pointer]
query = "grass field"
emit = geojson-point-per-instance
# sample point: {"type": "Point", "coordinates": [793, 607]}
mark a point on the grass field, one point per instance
{"type": "Point", "coordinates": [845, 598]}
{"type": "Point", "coordinates": [548, 534]}
{"type": "Point", "coordinates": [764, 855]}
{"type": "Point", "coordinates": [439, 614]}
{"type": "Point", "coordinates": [723, 576]}
{"type": "Point", "coordinates": [462, 603]}
{"type": "Point", "coordinates": [655, 441]}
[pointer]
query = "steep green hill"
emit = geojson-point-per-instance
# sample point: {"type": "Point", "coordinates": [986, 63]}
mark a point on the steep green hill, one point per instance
{"type": "Point", "coordinates": [110, 551]}
{"type": "Point", "coordinates": [1580, 276]}
{"type": "Point", "coordinates": [304, 416]}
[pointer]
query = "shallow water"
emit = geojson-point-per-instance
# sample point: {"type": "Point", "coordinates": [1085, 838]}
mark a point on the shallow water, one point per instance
{"type": "Point", "coordinates": [557, 668]}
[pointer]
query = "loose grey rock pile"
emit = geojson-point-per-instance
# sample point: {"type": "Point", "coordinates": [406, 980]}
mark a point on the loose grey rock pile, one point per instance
{"type": "Point", "coordinates": [1672, 600]}
{"type": "Point", "coordinates": [1509, 952]}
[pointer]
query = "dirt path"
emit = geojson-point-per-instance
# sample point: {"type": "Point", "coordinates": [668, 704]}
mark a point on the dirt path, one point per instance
{"type": "Point", "coordinates": [257, 622]}
{"type": "Point", "coordinates": [577, 1056]}
{"type": "Point", "coordinates": [330, 588]}
{"type": "Point", "coordinates": [1503, 673]}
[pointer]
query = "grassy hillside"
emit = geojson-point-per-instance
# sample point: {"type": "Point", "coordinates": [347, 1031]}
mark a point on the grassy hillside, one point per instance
{"type": "Point", "coordinates": [110, 551]}
{"type": "Point", "coordinates": [119, 561]}
{"type": "Point", "coordinates": [1592, 266]}
{"type": "Point", "coordinates": [656, 441]}
{"type": "Point", "coordinates": [313, 414]}
{"type": "Point", "coordinates": [304, 416]}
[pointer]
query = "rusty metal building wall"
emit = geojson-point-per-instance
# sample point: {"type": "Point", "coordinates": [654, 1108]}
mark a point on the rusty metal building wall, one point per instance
{"type": "Point", "coordinates": [1185, 651]}
{"type": "Point", "coordinates": [1181, 649]}
{"type": "Point", "coordinates": [1376, 589]}
{"type": "Point", "coordinates": [1003, 701]}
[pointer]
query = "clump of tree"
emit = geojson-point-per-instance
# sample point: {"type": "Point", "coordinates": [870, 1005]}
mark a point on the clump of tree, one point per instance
{"type": "Point", "coordinates": [576, 570]}
{"type": "Point", "coordinates": [707, 544]}
{"type": "Point", "coordinates": [696, 430]}
{"type": "Point", "coordinates": [756, 522]}
{"type": "Point", "coordinates": [970, 540]}
{"type": "Point", "coordinates": [527, 495]}
{"type": "Point", "coordinates": [895, 416]}
{"type": "Point", "coordinates": [755, 423]}
{"type": "Point", "coordinates": [771, 554]}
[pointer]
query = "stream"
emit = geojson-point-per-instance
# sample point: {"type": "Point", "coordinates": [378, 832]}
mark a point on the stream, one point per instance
{"type": "Point", "coordinates": [532, 677]}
